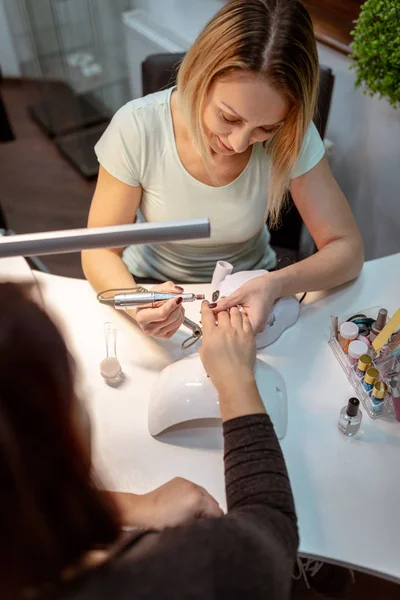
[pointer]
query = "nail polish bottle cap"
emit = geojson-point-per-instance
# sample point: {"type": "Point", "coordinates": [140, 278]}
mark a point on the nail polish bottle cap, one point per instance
{"type": "Point", "coordinates": [352, 407]}
{"type": "Point", "coordinates": [379, 390]}
{"type": "Point", "coordinates": [371, 375]}
{"type": "Point", "coordinates": [381, 319]}
{"type": "Point", "coordinates": [364, 362]}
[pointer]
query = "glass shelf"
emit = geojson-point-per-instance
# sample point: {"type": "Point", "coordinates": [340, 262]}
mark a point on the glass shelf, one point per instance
{"type": "Point", "coordinates": [85, 70]}
{"type": "Point", "coordinates": [386, 411]}
{"type": "Point", "coordinates": [73, 51]}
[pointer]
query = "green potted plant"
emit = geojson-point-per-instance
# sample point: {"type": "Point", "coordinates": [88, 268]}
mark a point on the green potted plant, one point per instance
{"type": "Point", "coordinates": [376, 49]}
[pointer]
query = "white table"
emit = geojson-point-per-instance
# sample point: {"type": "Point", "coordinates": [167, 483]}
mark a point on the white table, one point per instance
{"type": "Point", "coordinates": [15, 269]}
{"type": "Point", "coordinates": [347, 491]}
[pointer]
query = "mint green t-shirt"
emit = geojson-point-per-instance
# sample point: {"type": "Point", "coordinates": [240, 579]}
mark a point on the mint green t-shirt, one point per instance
{"type": "Point", "coordinates": [139, 149]}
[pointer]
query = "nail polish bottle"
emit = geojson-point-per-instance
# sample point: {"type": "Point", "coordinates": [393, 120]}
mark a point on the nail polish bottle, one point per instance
{"type": "Point", "coordinates": [364, 362]}
{"type": "Point", "coordinates": [379, 324]}
{"type": "Point", "coordinates": [350, 417]}
{"type": "Point", "coordinates": [377, 397]}
{"type": "Point", "coordinates": [371, 376]}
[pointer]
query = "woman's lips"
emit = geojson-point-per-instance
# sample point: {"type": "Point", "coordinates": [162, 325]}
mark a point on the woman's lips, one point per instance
{"type": "Point", "coordinates": [221, 143]}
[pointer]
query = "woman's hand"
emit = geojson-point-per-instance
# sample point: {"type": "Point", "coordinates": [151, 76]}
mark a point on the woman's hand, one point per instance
{"type": "Point", "coordinates": [177, 502]}
{"type": "Point", "coordinates": [257, 297]}
{"type": "Point", "coordinates": [228, 351]}
{"type": "Point", "coordinates": [165, 318]}
{"type": "Point", "coordinates": [228, 354]}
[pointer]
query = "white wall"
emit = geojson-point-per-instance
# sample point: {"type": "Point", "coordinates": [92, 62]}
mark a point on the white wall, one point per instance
{"type": "Point", "coordinates": [366, 157]}
{"type": "Point", "coordinates": [188, 16]}
{"type": "Point", "coordinates": [8, 59]}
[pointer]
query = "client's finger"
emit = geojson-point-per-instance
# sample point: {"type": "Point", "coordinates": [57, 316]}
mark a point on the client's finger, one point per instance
{"type": "Point", "coordinates": [246, 322]}
{"type": "Point", "coordinates": [236, 318]}
{"type": "Point", "coordinates": [207, 318]}
{"type": "Point", "coordinates": [224, 320]}
{"type": "Point", "coordinates": [227, 303]}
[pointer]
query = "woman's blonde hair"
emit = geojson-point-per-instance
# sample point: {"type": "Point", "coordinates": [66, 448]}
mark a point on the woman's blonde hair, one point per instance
{"type": "Point", "coordinates": [271, 37]}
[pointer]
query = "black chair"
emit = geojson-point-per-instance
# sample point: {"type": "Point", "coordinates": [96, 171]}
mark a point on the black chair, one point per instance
{"type": "Point", "coordinates": [6, 135]}
{"type": "Point", "coordinates": [6, 132]}
{"type": "Point", "coordinates": [291, 238]}
{"type": "Point", "coordinates": [3, 222]}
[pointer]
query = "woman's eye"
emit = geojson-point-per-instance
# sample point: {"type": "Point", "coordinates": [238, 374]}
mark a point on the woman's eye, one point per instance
{"type": "Point", "coordinates": [268, 130]}
{"type": "Point", "coordinates": [228, 120]}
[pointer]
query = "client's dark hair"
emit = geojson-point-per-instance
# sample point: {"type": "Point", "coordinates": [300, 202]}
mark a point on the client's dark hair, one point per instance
{"type": "Point", "coordinates": [51, 512]}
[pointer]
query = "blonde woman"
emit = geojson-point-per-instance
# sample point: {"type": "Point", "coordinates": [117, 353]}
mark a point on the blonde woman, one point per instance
{"type": "Point", "coordinates": [228, 143]}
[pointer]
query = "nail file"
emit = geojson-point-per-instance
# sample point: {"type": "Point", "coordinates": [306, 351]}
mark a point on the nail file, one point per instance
{"type": "Point", "coordinates": [383, 337]}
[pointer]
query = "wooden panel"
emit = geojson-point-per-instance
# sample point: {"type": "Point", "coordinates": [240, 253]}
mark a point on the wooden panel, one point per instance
{"type": "Point", "coordinates": [333, 21]}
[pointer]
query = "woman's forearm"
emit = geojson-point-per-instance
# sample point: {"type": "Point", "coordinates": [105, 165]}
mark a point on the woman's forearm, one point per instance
{"type": "Point", "coordinates": [240, 397]}
{"type": "Point", "coordinates": [338, 262]}
{"type": "Point", "coordinates": [105, 269]}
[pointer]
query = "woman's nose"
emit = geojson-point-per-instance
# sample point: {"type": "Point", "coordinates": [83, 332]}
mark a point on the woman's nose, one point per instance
{"type": "Point", "coordinates": [239, 140]}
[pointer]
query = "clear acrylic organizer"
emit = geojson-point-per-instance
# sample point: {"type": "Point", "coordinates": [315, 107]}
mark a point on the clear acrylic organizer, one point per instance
{"type": "Point", "coordinates": [386, 410]}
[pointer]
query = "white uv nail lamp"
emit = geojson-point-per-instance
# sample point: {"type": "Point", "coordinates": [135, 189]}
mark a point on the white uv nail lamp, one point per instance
{"type": "Point", "coordinates": [183, 393]}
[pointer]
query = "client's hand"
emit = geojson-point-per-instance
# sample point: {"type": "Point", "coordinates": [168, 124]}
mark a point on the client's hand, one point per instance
{"type": "Point", "coordinates": [228, 350]}
{"type": "Point", "coordinates": [228, 354]}
{"type": "Point", "coordinates": [166, 318]}
{"type": "Point", "coordinates": [257, 296]}
{"type": "Point", "coordinates": [176, 502]}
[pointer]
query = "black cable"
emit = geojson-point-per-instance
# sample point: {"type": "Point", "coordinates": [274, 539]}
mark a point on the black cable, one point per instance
{"type": "Point", "coordinates": [302, 298]}
{"type": "Point", "coordinates": [291, 262]}
{"type": "Point", "coordinates": [281, 259]}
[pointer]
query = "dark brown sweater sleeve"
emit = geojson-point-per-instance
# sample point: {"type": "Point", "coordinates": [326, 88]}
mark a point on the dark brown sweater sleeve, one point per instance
{"type": "Point", "coordinates": [256, 479]}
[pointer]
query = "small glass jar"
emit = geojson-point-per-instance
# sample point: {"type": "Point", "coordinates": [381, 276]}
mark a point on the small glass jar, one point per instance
{"type": "Point", "coordinates": [348, 331]}
{"type": "Point", "coordinates": [356, 349]}
{"type": "Point", "coordinates": [377, 397]}
{"type": "Point", "coordinates": [371, 376]}
{"type": "Point", "coordinates": [364, 362]}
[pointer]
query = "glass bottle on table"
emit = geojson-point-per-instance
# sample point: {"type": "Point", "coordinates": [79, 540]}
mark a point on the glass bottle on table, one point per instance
{"type": "Point", "coordinates": [350, 417]}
